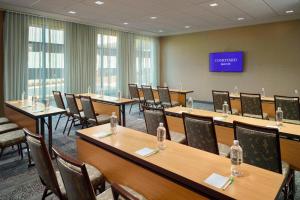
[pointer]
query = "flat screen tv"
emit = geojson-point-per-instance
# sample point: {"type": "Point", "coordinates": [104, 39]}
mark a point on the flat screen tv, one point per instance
{"type": "Point", "coordinates": [226, 62]}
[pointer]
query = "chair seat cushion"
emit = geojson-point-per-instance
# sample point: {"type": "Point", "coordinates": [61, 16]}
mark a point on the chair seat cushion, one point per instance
{"type": "Point", "coordinates": [96, 178]}
{"type": "Point", "coordinates": [3, 120]}
{"type": "Point", "coordinates": [224, 150]}
{"type": "Point", "coordinates": [265, 116]}
{"type": "Point", "coordinates": [156, 101]}
{"type": "Point", "coordinates": [107, 194]}
{"type": "Point", "coordinates": [12, 138]}
{"type": "Point", "coordinates": [102, 119]}
{"type": "Point", "coordinates": [8, 127]}
{"type": "Point", "coordinates": [177, 137]}
{"type": "Point", "coordinates": [167, 104]}
{"type": "Point", "coordinates": [285, 168]}
{"type": "Point", "coordinates": [81, 114]}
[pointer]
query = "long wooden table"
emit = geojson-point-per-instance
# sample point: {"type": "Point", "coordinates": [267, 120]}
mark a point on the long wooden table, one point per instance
{"type": "Point", "coordinates": [108, 104]}
{"type": "Point", "coordinates": [268, 105]}
{"type": "Point", "coordinates": [289, 133]}
{"type": "Point", "coordinates": [176, 95]}
{"type": "Point", "coordinates": [178, 172]}
{"type": "Point", "coordinates": [32, 118]}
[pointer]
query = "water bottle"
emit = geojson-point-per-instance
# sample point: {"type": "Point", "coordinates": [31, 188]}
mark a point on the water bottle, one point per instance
{"type": "Point", "coordinates": [236, 90]}
{"type": "Point", "coordinates": [279, 116]}
{"type": "Point", "coordinates": [119, 94]}
{"type": "Point", "coordinates": [236, 156]}
{"type": "Point", "coordinates": [89, 90]}
{"type": "Point", "coordinates": [190, 104]}
{"type": "Point", "coordinates": [113, 123]}
{"type": "Point", "coordinates": [161, 136]}
{"type": "Point", "coordinates": [23, 96]}
{"type": "Point", "coordinates": [101, 92]}
{"type": "Point", "coordinates": [263, 92]}
{"type": "Point", "coordinates": [165, 84]}
{"type": "Point", "coordinates": [47, 104]}
{"type": "Point", "coordinates": [225, 109]}
{"type": "Point", "coordinates": [296, 93]}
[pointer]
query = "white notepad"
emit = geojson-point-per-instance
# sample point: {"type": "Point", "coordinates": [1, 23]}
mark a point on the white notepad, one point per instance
{"type": "Point", "coordinates": [146, 151]}
{"type": "Point", "coordinates": [102, 134]}
{"type": "Point", "coordinates": [216, 180]}
{"type": "Point", "coordinates": [219, 119]}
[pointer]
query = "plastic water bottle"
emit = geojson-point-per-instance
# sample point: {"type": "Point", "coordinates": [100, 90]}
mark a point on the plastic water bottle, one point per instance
{"type": "Point", "coordinates": [119, 94]}
{"type": "Point", "coordinates": [47, 104]}
{"type": "Point", "coordinates": [190, 105]}
{"type": "Point", "coordinates": [296, 93]}
{"type": "Point", "coordinates": [23, 97]}
{"type": "Point", "coordinates": [225, 109]}
{"type": "Point", "coordinates": [161, 136]}
{"type": "Point", "coordinates": [101, 92]}
{"type": "Point", "coordinates": [263, 92]}
{"type": "Point", "coordinates": [279, 116]}
{"type": "Point", "coordinates": [236, 156]}
{"type": "Point", "coordinates": [89, 90]}
{"type": "Point", "coordinates": [113, 123]}
{"type": "Point", "coordinates": [236, 90]}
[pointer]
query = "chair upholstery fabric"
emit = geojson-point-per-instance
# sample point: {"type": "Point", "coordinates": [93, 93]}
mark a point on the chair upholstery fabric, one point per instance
{"type": "Point", "coordinates": [8, 127]}
{"type": "Point", "coordinates": [165, 97]}
{"type": "Point", "coordinates": [259, 148]}
{"type": "Point", "coordinates": [251, 105]}
{"type": "Point", "coordinates": [200, 134]}
{"type": "Point", "coordinates": [289, 107]}
{"type": "Point", "coordinates": [58, 99]}
{"type": "Point", "coordinates": [107, 194]}
{"type": "Point", "coordinates": [134, 91]}
{"type": "Point", "coordinates": [219, 97]}
{"type": "Point", "coordinates": [72, 104]}
{"type": "Point", "coordinates": [101, 119]}
{"type": "Point", "coordinates": [87, 107]}
{"type": "Point", "coordinates": [12, 138]}
{"type": "Point", "coordinates": [148, 95]}
{"type": "Point", "coordinates": [152, 120]}
{"type": "Point", "coordinates": [3, 120]}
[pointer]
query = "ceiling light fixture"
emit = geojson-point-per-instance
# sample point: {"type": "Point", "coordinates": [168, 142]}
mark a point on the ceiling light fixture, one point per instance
{"type": "Point", "coordinates": [289, 11]}
{"type": "Point", "coordinates": [125, 23]}
{"type": "Point", "coordinates": [187, 27]}
{"type": "Point", "coordinates": [72, 12]}
{"type": "Point", "coordinates": [213, 4]}
{"type": "Point", "coordinates": [153, 17]}
{"type": "Point", "coordinates": [99, 2]}
{"type": "Point", "coordinates": [240, 18]}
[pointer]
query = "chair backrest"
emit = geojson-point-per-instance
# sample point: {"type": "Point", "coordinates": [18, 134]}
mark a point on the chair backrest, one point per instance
{"type": "Point", "coordinates": [251, 105]}
{"type": "Point", "coordinates": [72, 104]}
{"type": "Point", "coordinates": [42, 161]}
{"type": "Point", "coordinates": [154, 116]}
{"type": "Point", "coordinates": [58, 99]}
{"type": "Point", "coordinates": [260, 145]}
{"type": "Point", "coordinates": [164, 95]}
{"type": "Point", "coordinates": [289, 105]}
{"type": "Point", "coordinates": [75, 177]}
{"type": "Point", "coordinates": [218, 99]}
{"type": "Point", "coordinates": [148, 93]}
{"type": "Point", "coordinates": [134, 91]}
{"type": "Point", "coordinates": [200, 132]}
{"type": "Point", "coordinates": [88, 108]}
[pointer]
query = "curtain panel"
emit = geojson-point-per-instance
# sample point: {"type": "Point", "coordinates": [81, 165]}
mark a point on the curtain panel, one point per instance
{"type": "Point", "coordinates": [42, 55]}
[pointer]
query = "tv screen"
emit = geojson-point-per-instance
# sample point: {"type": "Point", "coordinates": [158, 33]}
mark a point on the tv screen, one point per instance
{"type": "Point", "coordinates": [226, 62]}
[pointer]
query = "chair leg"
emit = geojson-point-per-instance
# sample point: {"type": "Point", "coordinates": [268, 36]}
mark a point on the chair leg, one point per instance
{"type": "Point", "coordinates": [66, 124]}
{"type": "Point", "coordinates": [45, 193]}
{"type": "Point", "coordinates": [71, 126]}
{"type": "Point", "coordinates": [58, 121]}
{"type": "Point", "coordinates": [21, 151]}
{"type": "Point", "coordinates": [1, 152]}
{"type": "Point", "coordinates": [28, 154]}
{"type": "Point", "coordinates": [130, 108]}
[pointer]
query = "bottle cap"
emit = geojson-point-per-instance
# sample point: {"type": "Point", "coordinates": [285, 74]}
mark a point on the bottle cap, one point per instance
{"type": "Point", "coordinates": [161, 124]}
{"type": "Point", "coordinates": [225, 102]}
{"type": "Point", "coordinates": [113, 113]}
{"type": "Point", "coordinates": [235, 142]}
{"type": "Point", "coordinates": [279, 108]}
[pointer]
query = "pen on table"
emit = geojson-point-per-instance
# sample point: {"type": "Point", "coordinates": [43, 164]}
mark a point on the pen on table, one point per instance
{"type": "Point", "coordinates": [229, 182]}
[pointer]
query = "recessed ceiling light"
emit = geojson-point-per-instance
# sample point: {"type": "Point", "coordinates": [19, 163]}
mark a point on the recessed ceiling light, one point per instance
{"type": "Point", "coordinates": [72, 12]}
{"type": "Point", "coordinates": [187, 27]}
{"type": "Point", "coordinates": [160, 31]}
{"type": "Point", "coordinates": [213, 4]}
{"type": "Point", "coordinates": [289, 11]}
{"type": "Point", "coordinates": [99, 2]}
{"type": "Point", "coordinates": [153, 17]}
{"type": "Point", "coordinates": [240, 18]}
{"type": "Point", "coordinates": [125, 23]}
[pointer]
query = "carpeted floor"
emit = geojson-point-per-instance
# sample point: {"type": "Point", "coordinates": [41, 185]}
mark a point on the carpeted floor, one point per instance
{"type": "Point", "coordinates": [19, 182]}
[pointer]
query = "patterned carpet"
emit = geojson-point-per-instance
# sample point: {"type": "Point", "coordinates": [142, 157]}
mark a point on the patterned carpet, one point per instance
{"type": "Point", "coordinates": [17, 182]}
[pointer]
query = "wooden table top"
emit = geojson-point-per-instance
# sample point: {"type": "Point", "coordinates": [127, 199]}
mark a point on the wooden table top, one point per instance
{"type": "Point", "coordinates": [35, 112]}
{"type": "Point", "coordinates": [287, 129]}
{"type": "Point", "coordinates": [187, 165]}
{"type": "Point", "coordinates": [182, 91]}
{"type": "Point", "coordinates": [107, 99]}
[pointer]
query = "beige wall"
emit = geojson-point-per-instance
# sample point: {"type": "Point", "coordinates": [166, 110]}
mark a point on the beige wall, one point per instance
{"type": "Point", "coordinates": [271, 55]}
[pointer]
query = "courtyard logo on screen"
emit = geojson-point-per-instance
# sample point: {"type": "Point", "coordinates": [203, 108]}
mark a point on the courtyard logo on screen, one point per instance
{"type": "Point", "coordinates": [226, 62]}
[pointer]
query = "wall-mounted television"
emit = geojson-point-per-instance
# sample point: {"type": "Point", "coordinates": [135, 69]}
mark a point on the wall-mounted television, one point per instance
{"type": "Point", "coordinates": [226, 62]}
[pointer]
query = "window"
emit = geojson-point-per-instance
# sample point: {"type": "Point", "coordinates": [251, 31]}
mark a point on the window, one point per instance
{"type": "Point", "coordinates": [45, 61]}
{"type": "Point", "coordinates": [107, 69]}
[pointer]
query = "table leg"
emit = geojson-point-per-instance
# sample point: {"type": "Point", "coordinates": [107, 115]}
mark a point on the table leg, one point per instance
{"type": "Point", "coordinates": [50, 135]}
{"type": "Point", "coordinates": [123, 112]}
{"type": "Point", "coordinates": [42, 122]}
{"type": "Point", "coordinates": [37, 127]}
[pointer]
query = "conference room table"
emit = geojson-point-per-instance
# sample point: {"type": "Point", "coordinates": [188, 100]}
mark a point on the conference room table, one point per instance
{"type": "Point", "coordinates": [289, 133]}
{"type": "Point", "coordinates": [178, 95]}
{"type": "Point", "coordinates": [108, 104]}
{"type": "Point", "coordinates": [25, 115]}
{"type": "Point", "coordinates": [177, 172]}
{"type": "Point", "coordinates": [268, 104]}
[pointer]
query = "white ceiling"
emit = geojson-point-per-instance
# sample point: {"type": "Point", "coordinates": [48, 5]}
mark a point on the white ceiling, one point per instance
{"type": "Point", "coordinates": [172, 15]}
